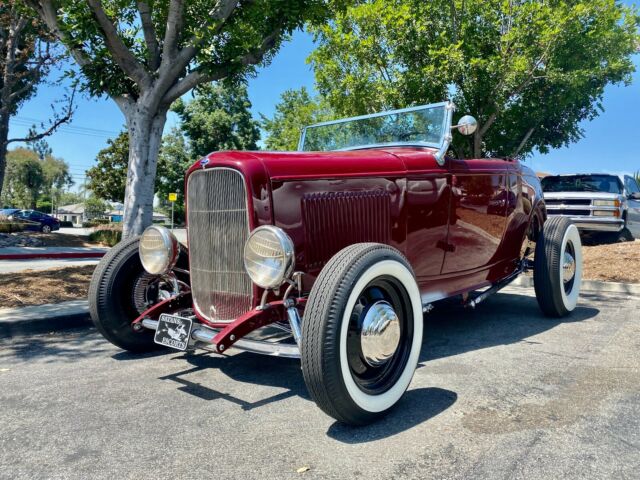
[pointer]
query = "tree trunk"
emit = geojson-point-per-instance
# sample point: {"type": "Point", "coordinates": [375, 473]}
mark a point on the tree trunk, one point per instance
{"type": "Point", "coordinates": [4, 133]}
{"type": "Point", "coordinates": [477, 144]}
{"type": "Point", "coordinates": [145, 135]}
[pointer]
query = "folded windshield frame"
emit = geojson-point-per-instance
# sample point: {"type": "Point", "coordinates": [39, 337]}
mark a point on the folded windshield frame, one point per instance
{"type": "Point", "coordinates": [441, 144]}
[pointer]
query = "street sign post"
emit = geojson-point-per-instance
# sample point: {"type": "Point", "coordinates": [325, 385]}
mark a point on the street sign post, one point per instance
{"type": "Point", "coordinates": [172, 198]}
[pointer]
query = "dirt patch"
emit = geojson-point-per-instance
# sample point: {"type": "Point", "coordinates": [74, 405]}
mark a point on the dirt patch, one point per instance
{"type": "Point", "coordinates": [615, 262]}
{"type": "Point", "coordinates": [45, 286]}
{"type": "Point", "coordinates": [55, 239]}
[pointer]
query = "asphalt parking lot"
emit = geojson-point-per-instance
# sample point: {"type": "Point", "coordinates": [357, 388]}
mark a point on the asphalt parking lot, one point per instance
{"type": "Point", "coordinates": [500, 392]}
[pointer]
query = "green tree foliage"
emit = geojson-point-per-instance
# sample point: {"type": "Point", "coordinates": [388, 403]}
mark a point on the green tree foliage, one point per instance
{"type": "Point", "coordinates": [108, 178]}
{"type": "Point", "coordinates": [27, 53]}
{"type": "Point", "coordinates": [68, 198]}
{"type": "Point", "coordinates": [295, 110]}
{"type": "Point", "coordinates": [24, 179]}
{"type": "Point", "coordinates": [40, 146]}
{"type": "Point", "coordinates": [218, 118]}
{"type": "Point", "coordinates": [56, 174]}
{"type": "Point", "coordinates": [530, 71]}
{"type": "Point", "coordinates": [30, 182]}
{"type": "Point", "coordinates": [173, 161]}
{"type": "Point", "coordinates": [95, 207]}
{"type": "Point", "coordinates": [145, 55]}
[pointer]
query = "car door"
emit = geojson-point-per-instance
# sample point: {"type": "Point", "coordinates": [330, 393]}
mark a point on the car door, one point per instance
{"type": "Point", "coordinates": [30, 219]}
{"type": "Point", "coordinates": [633, 213]}
{"type": "Point", "coordinates": [478, 214]}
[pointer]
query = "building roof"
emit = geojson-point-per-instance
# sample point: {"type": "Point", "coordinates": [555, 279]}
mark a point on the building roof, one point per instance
{"type": "Point", "coordinates": [75, 209]}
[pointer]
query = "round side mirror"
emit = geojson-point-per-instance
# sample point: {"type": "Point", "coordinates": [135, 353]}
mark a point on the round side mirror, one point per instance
{"type": "Point", "coordinates": [467, 125]}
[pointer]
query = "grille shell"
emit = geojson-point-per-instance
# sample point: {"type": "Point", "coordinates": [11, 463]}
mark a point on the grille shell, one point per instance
{"type": "Point", "coordinates": [218, 220]}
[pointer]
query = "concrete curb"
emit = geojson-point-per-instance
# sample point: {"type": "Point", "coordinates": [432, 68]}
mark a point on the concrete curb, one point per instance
{"type": "Point", "coordinates": [29, 253]}
{"type": "Point", "coordinates": [43, 318]}
{"type": "Point", "coordinates": [590, 286]}
{"type": "Point", "coordinates": [61, 255]}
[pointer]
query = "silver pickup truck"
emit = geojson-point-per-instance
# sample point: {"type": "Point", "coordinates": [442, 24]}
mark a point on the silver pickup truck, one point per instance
{"type": "Point", "coordinates": [595, 202]}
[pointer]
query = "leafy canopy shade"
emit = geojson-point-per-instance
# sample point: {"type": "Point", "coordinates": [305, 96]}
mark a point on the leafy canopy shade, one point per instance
{"type": "Point", "coordinates": [146, 54]}
{"type": "Point", "coordinates": [530, 71]}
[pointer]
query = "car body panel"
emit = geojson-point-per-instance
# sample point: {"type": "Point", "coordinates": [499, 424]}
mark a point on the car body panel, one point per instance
{"type": "Point", "coordinates": [439, 216]}
{"type": "Point", "coordinates": [633, 211]}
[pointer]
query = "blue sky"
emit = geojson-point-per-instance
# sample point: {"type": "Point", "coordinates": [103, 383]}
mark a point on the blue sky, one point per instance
{"type": "Point", "coordinates": [610, 143]}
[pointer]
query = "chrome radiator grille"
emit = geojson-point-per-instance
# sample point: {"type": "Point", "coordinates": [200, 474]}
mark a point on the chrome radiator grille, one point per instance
{"type": "Point", "coordinates": [218, 228]}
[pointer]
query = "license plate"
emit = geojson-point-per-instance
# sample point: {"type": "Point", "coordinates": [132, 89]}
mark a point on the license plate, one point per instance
{"type": "Point", "coordinates": [173, 332]}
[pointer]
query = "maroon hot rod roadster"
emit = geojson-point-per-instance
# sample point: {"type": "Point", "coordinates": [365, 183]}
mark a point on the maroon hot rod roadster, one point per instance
{"type": "Point", "coordinates": [332, 254]}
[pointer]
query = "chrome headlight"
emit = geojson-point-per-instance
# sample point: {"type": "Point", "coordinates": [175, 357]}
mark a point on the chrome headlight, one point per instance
{"type": "Point", "coordinates": [159, 250]}
{"type": "Point", "coordinates": [268, 256]}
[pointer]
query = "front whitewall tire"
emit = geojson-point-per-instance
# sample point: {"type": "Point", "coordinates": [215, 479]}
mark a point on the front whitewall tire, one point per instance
{"type": "Point", "coordinates": [384, 401]}
{"type": "Point", "coordinates": [340, 376]}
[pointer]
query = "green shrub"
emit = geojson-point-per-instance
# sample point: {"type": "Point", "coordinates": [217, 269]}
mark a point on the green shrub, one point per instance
{"type": "Point", "coordinates": [106, 235]}
{"type": "Point", "coordinates": [8, 226]}
{"type": "Point", "coordinates": [95, 222]}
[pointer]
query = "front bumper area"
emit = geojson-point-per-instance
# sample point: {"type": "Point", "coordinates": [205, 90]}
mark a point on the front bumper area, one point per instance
{"type": "Point", "coordinates": [268, 342]}
{"type": "Point", "coordinates": [595, 224]}
{"type": "Point", "coordinates": [254, 331]}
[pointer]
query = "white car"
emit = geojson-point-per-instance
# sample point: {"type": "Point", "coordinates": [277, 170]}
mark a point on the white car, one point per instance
{"type": "Point", "coordinates": [595, 202]}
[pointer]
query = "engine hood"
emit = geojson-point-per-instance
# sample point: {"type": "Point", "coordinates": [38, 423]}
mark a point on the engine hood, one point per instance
{"type": "Point", "coordinates": [289, 165]}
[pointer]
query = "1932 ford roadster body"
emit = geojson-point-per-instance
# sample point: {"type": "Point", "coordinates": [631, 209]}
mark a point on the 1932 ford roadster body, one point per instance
{"type": "Point", "coordinates": [333, 254]}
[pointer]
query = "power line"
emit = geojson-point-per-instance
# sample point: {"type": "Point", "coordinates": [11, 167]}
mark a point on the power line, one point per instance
{"type": "Point", "coordinates": [68, 130]}
{"type": "Point", "coordinates": [77, 127]}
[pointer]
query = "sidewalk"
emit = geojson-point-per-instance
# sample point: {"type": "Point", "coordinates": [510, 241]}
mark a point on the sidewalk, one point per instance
{"type": "Point", "coordinates": [43, 318]}
{"type": "Point", "coordinates": [16, 266]}
{"type": "Point", "coordinates": [21, 253]}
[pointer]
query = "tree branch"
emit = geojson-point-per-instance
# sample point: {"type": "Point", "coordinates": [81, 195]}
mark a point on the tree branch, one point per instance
{"type": "Point", "coordinates": [54, 126]}
{"type": "Point", "coordinates": [47, 12]}
{"type": "Point", "coordinates": [524, 141]}
{"type": "Point", "coordinates": [196, 77]}
{"type": "Point", "coordinates": [172, 30]}
{"type": "Point", "coordinates": [150, 37]}
{"type": "Point", "coordinates": [174, 63]}
{"type": "Point", "coordinates": [121, 54]}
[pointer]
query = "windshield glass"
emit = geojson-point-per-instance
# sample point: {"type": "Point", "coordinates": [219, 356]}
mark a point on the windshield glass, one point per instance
{"type": "Point", "coordinates": [582, 183]}
{"type": "Point", "coordinates": [412, 126]}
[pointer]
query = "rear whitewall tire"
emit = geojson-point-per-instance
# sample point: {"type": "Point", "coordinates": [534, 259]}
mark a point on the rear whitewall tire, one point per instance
{"type": "Point", "coordinates": [556, 297]}
{"type": "Point", "coordinates": [572, 235]}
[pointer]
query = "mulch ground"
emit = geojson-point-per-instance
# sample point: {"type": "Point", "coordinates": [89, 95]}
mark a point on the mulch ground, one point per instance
{"type": "Point", "coordinates": [55, 239]}
{"type": "Point", "coordinates": [615, 262]}
{"type": "Point", "coordinates": [37, 287]}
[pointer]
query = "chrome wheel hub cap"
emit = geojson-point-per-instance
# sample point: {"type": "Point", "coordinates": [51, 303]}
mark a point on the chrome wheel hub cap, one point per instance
{"type": "Point", "coordinates": [380, 333]}
{"type": "Point", "coordinates": [568, 267]}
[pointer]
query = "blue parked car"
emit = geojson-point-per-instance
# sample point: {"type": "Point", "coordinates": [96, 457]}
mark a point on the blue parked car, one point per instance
{"type": "Point", "coordinates": [32, 219]}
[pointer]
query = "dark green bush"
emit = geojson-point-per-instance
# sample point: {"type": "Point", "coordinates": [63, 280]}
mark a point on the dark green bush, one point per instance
{"type": "Point", "coordinates": [95, 222]}
{"type": "Point", "coordinates": [106, 235]}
